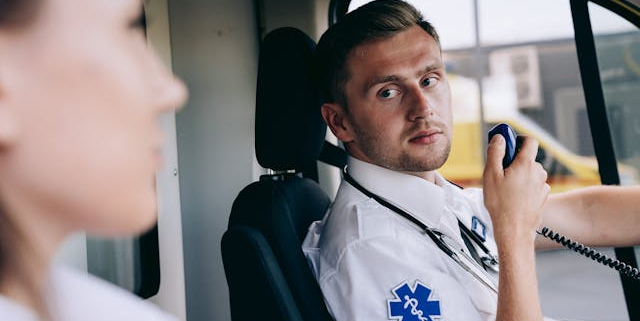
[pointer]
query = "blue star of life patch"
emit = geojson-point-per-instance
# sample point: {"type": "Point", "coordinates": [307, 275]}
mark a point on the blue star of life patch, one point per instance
{"type": "Point", "coordinates": [413, 304]}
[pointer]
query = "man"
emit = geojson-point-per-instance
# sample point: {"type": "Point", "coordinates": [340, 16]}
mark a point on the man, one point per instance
{"type": "Point", "coordinates": [399, 241]}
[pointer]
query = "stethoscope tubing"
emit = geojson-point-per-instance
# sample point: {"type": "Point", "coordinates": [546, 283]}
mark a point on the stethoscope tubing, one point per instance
{"type": "Point", "coordinates": [438, 237]}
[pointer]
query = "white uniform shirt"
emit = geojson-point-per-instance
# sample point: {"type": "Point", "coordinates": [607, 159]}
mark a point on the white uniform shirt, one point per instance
{"type": "Point", "coordinates": [373, 264]}
{"type": "Point", "coordinates": [76, 296]}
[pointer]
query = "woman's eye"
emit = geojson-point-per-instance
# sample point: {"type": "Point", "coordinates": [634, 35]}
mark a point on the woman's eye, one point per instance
{"type": "Point", "coordinates": [140, 23]}
{"type": "Point", "coordinates": [429, 81]}
{"type": "Point", "coordinates": [389, 93]}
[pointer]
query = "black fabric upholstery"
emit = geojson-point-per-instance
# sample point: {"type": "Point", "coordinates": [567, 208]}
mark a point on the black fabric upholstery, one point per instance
{"type": "Point", "coordinates": [269, 219]}
{"type": "Point", "coordinates": [250, 262]}
{"type": "Point", "coordinates": [279, 207]}
{"type": "Point", "coordinates": [288, 121]}
{"type": "Point", "coordinates": [282, 211]}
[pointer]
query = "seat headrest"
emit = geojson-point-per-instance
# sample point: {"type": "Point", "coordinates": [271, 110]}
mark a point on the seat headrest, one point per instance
{"type": "Point", "coordinates": [289, 128]}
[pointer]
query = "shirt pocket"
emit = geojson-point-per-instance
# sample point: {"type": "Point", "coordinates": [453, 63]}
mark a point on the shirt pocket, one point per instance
{"type": "Point", "coordinates": [484, 299]}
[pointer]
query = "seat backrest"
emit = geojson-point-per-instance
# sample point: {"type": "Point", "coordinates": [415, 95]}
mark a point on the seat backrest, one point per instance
{"type": "Point", "coordinates": [279, 208]}
{"type": "Point", "coordinates": [282, 212]}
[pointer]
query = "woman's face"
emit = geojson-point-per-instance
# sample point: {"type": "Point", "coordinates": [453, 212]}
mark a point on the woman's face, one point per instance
{"type": "Point", "coordinates": [80, 97]}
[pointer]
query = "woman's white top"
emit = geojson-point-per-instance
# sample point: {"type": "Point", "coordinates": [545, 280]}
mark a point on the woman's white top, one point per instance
{"type": "Point", "coordinates": [77, 296]}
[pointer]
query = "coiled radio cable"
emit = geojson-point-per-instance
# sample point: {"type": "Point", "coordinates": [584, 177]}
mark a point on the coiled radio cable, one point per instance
{"type": "Point", "coordinates": [621, 267]}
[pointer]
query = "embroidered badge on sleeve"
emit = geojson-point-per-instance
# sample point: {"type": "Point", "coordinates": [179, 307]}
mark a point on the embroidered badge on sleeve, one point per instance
{"type": "Point", "coordinates": [478, 228]}
{"type": "Point", "coordinates": [413, 304]}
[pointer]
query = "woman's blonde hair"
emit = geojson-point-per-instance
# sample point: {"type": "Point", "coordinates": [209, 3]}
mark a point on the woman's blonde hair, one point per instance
{"type": "Point", "coordinates": [17, 13]}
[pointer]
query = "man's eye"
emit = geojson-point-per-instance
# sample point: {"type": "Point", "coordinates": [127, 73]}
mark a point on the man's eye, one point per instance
{"type": "Point", "coordinates": [430, 81]}
{"type": "Point", "coordinates": [389, 93]}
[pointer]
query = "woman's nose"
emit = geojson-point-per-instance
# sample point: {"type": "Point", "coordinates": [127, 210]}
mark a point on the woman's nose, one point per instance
{"type": "Point", "coordinates": [172, 95]}
{"type": "Point", "coordinates": [169, 92]}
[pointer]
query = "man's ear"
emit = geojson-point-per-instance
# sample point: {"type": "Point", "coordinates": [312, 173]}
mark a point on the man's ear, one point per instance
{"type": "Point", "coordinates": [335, 117]}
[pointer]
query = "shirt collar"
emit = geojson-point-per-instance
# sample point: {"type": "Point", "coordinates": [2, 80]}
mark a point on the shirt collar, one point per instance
{"type": "Point", "coordinates": [421, 198]}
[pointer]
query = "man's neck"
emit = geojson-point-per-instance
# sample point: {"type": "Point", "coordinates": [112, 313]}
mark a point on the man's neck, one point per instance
{"type": "Point", "coordinates": [429, 176]}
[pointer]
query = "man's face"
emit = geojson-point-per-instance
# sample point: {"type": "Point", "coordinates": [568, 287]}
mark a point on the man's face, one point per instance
{"type": "Point", "coordinates": [398, 112]}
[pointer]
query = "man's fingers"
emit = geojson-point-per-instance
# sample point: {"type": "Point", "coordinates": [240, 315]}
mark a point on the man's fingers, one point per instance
{"type": "Point", "coordinates": [495, 153]}
{"type": "Point", "coordinates": [528, 150]}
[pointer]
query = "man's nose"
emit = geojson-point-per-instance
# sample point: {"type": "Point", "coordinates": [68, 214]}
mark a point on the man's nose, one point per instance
{"type": "Point", "coordinates": [421, 106]}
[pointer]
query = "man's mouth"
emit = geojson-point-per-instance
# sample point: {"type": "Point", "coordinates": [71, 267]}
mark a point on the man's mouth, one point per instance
{"type": "Point", "coordinates": [426, 137]}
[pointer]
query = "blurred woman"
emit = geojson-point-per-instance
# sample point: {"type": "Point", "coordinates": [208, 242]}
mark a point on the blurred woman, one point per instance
{"type": "Point", "coordinates": [80, 96]}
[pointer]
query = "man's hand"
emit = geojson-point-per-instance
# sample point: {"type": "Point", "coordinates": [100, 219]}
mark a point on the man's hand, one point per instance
{"type": "Point", "coordinates": [514, 196]}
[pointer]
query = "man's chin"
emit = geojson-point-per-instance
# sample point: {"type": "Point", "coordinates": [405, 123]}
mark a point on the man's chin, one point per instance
{"type": "Point", "coordinates": [422, 165]}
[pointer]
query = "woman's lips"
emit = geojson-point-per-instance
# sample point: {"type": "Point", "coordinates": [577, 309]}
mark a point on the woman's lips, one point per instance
{"type": "Point", "coordinates": [158, 157]}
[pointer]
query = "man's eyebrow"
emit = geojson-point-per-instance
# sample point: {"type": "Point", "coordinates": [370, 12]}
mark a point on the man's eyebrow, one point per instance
{"type": "Point", "coordinates": [381, 80]}
{"type": "Point", "coordinates": [429, 68]}
{"type": "Point", "coordinates": [389, 78]}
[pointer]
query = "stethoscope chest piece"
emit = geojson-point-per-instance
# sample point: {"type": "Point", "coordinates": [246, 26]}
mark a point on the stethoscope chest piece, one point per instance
{"type": "Point", "coordinates": [490, 263]}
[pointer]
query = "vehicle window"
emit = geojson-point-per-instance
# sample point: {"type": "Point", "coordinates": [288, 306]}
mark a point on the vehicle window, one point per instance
{"type": "Point", "coordinates": [525, 72]}
{"type": "Point", "coordinates": [454, 21]}
{"type": "Point", "coordinates": [618, 52]}
{"type": "Point", "coordinates": [525, 27]}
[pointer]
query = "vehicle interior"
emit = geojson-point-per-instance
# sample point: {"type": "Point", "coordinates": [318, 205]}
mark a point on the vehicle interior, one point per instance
{"type": "Point", "coordinates": [249, 162]}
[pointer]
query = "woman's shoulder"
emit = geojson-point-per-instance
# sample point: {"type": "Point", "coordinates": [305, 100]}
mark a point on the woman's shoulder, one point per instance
{"type": "Point", "coordinates": [11, 310]}
{"type": "Point", "coordinates": [76, 295]}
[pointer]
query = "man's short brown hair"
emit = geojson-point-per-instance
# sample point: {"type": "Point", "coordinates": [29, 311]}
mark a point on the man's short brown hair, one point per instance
{"type": "Point", "coordinates": [376, 20]}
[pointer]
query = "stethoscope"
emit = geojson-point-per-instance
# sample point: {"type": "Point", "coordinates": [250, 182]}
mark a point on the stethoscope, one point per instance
{"type": "Point", "coordinates": [448, 245]}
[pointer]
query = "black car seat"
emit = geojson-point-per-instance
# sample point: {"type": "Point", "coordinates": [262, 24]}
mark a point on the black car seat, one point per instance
{"type": "Point", "coordinates": [267, 273]}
